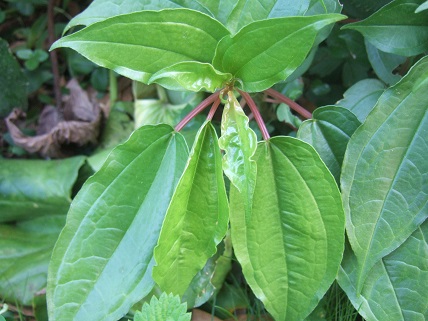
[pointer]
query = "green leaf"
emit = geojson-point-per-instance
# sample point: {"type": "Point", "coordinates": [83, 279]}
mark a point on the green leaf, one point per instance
{"type": "Point", "coordinates": [103, 259]}
{"type": "Point", "coordinates": [396, 287]}
{"type": "Point", "coordinates": [33, 188]}
{"type": "Point", "coordinates": [384, 64]}
{"type": "Point", "coordinates": [291, 247]}
{"type": "Point", "coordinates": [197, 217]}
{"type": "Point", "coordinates": [239, 143]}
{"type": "Point", "coordinates": [422, 7]}
{"type": "Point", "coordinates": [385, 172]}
{"type": "Point", "coordinates": [396, 28]}
{"type": "Point", "coordinates": [362, 97]}
{"type": "Point", "coordinates": [329, 132]}
{"type": "Point", "coordinates": [265, 52]}
{"type": "Point", "coordinates": [166, 308]}
{"type": "Point", "coordinates": [140, 44]}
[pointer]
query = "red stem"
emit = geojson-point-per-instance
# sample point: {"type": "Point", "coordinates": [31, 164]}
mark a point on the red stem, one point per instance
{"type": "Point", "coordinates": [256, 114]}
{"type": "Point", "coordinates": [214, 108]}
{"type": "Point", "coordinates": [292, 104]}
{"type": "Point", "coordinates": [204, 104]}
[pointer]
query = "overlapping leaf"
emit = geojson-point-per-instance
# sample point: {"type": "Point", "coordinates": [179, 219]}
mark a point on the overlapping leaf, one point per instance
{"type": "Point", "coordinates": [197, 217]}
{"type": "Point", "coordinates": [291, 247]}
{"type": "Point", "coordinates": [103, 260]}
{"type": "Point", "coordinates": [396, 28]}
{"type": "Point", "coordinates": [265, 52]}
{"type": "Point", "coordinates": [385, 172]}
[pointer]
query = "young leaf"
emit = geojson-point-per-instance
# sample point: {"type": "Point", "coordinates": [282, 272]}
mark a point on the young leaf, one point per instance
{"type": "Point", "coordinates": [239, 142]}
{"type": "Point", "coordinates": [102, 262]}
{"type": "Point", "coordinates": [396, 287]}
{"type": "Point", "coordinates": [385, 172]}
{"type": "Point", "coordinates": [265, 52]}
{"type": "Point", "coordinates": [329, 132]}
{"type": "Point", "coordinates": [166, 308]}
{"type": "Point", "coordinates": [291, 247]}
{"type": "Point", "coordinates": [140, 44]}
{"type": "Point", "coordinates": [197, 217]}
{"type": "Point", "coordinates": [396, 28]}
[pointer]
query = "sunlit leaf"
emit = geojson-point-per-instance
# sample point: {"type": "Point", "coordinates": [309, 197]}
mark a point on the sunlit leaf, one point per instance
{"type": "Point", "coordinates": [167, 307]}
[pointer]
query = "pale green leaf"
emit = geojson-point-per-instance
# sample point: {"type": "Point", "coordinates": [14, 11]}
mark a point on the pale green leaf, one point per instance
{"type": "Point", "coordinates": [140, 44]}
{"type": "Point", "coordinates": [265, 52]}
{"type": "Point", "coordinates": [291, 247]}
{"type": "Point", "coordinates": [329, 132]}
{"type": "Point", "coordinates": [103, 259]}
{"type": "Point", "coordinates": [385, 172]}
{"type": "Point", "coordinates": [166, 308]}
{"type": "Point", "coordinates": [396, 28]}
{"type": "Point", "coordinates": [197, 217]}
{"type": "Point", "coordinates": [396, 287]}
{"type": "Point", "coordinates": [422, 7]}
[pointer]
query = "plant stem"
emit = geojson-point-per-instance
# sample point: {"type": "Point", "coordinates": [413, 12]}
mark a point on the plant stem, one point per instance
{"type": "Point", "coordinates": [113, 87]}
{"type": "Point", "coordinates": [204, 104]}
{"type": "Point", "coordinates": [214, 109]}
{"type": "Point", "coordinates": [256, 114]}
{"type": "Point", "coordinates": [292, 104]}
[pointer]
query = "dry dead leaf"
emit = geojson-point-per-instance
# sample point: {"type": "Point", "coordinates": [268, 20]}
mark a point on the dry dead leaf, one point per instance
{"type": "Point", "coordinates": [199, 315]}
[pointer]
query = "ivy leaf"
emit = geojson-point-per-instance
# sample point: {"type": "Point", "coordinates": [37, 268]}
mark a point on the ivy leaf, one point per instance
{"type": "Point", "coordinates": [133, 44]}
{"type": "Point", "coordinates": [291, 247]}
{"type": "Point", "coordinates": [385, 172]}
{"type": "Point", "coordinates": [329, 132]}
{"type": "Point", "coordinates": [265, 52]}
{"type": "Point", "coordinates": [166, 308]}
{"type": "Point", "coordinates": [102, 262]}
{"type": "Point", "coordinates": [239, 142]}
{"type": "Point", "coordinates": [396, 287]}
{"type": "Point", "coordinates": [396, 28]}
{"type": "Point", "coordinates": [197, 217]}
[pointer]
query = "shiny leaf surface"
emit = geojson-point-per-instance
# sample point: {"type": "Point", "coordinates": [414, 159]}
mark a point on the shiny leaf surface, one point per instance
{"type": "Point", "coordinates": [95, 272]}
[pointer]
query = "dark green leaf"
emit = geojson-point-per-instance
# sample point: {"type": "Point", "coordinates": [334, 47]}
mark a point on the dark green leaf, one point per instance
{"type": "Point", "coordinates": [363, 8]}
{"type": "Point", "coordinates": [422, 7]}
{"type": "Point", "coordinates": [103, 259]}
{"type": "Point", "coordinates": [291, 247]}
{"type": "Point", "coordinates": [265, 52]}
{"type": "Point", "coordinates": [329, 132]}
{"type": "Point", "coordinates": [33, 188]}
{"type": "Point", "coordinates": [396, 28]}
{"type": "Point", "coordinates": [197, 217]}
{"type": "Point", "coordinates": [385, 172]}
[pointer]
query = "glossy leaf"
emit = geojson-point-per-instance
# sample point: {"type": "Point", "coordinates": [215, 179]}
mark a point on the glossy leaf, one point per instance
{"type": "Point", "coordinates": [396, 287]}
{"type": "Point", "coordinates": [197, 217]}
{"type": "Point", "coordinates": [167, 307]}
{"type": "Point", "coordinates": [385, 172]}
{"type": "Point", "coordinates": [291, 247]}
{"type": "Point", "coordinates": [239, 143]}
{"type": "Point", "coordinates": [329, 132]}
{"type": "Point", "coordinates": [422, 7]}
{"type": "Point", "coordinates": [362, 97]}
{"type": "Point", "coordinates": [265, 52]}
{"type": "Point", "coordinates": [132, 44]}
{"type": "Point", "coordinates": [396, 28]}
{"type": "Point", "coordinates": [33, 188]}
{"type": "Point", "coordinates": [95, 272]}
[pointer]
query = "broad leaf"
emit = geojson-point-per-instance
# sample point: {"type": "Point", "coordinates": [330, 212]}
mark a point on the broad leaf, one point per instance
{"type": "Point", "coordinates": [167, 307]}
{"type": "Point", "coordinates": [239, 143]}
{"type": "Point", "coordinates": [396, 287]}
{"type": "Point", "coordinates": [103, 259]}
{"type": "Point", "coordinates": [385, 172]}
{"type": "Point", "coordinates": [396, 28]}
{"type": "Point", "coordinates": [140, 44]}
{"type": "Point", "coordinates": [265, 52]}
{"type": "Point", "coordinates": [329, 132]}
{"type": "Point", "coordinates": [291, 247]}
{"type": "Point", "coordinates": [33, 188]}
{"type": "Point", "coordinates": [362, 97]}
{"type": "Point", "coordinates": [197, 217]}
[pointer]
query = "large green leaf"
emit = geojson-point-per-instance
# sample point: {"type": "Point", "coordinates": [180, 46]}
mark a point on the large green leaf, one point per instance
{"type": "Point", "coordinates": [329, 132]}
{"type": "Point", "coordinates": [396, 288]}
{"type": "Point", "coordinates": [103, 259]}
{"type": "Point", "coordinates": [385, 173]}
{"type": "Point", "coordinates": [140, 44]}
{"type": "Point", "coordinates": [197, 217]}
{"type": "Point", "coordinates": [239, 143]}
{"type": "Point", "coordinates": [265, 52]}
{"type": "Point", "coordinates": [291, 247]}
{"type": "Point", "coordinates": [32, 188]}
{"type": "Point", "coordinates": [396, 28]}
